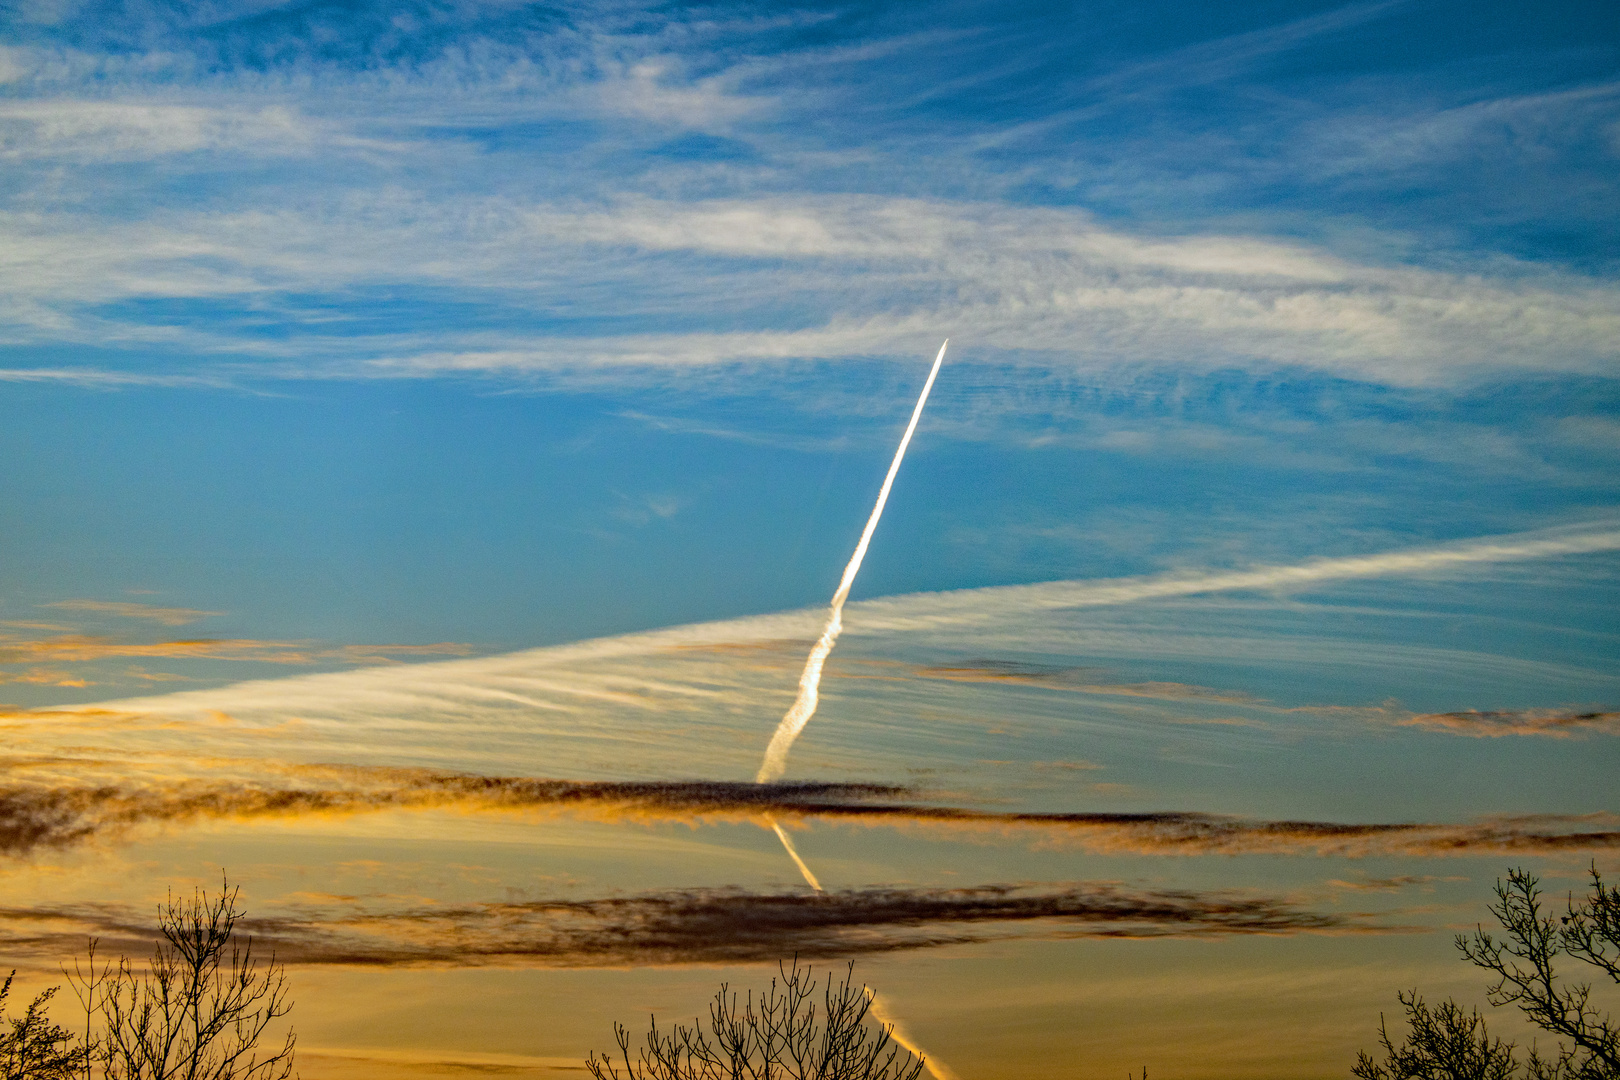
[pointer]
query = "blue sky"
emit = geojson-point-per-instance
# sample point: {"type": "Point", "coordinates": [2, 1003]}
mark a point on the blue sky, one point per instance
{"type": "Point", "coordinates": [510, 325]}
{"type": "Point", "coordinates": [375, 377]}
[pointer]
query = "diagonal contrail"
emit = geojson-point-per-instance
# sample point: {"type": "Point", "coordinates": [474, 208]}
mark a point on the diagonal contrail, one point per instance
{"type": "Point", "coordinates": [804, 706]}
{"type": "Point", "coordinates": [899, 1034]}
{"type": "Point", "coordinates": [793, 852]}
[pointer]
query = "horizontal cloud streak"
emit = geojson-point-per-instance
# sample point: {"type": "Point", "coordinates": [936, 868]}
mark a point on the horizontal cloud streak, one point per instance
{"type": "Point", "coordinates": [1077, 680]}
{"type": "Point", "coordinates": [84, 647]}
{"type": "Point", "coordinates": [1554, 723]}
{"type": "Point", "coordinates": [35, 816]}
{"type": "Point", "coordinates": [168, 616]}
{"type": "Point", "coordinates": [915, 610]}
{"type": "Point", "coordinates": [720, 926]}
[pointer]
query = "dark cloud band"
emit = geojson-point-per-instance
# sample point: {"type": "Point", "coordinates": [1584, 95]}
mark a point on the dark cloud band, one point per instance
{"type": "Point", "coordinates": [716, 926]}
{"type": "Point", "coordinates": [1554, 723]}
{"type": "Point", "coordinates": [34, 816]}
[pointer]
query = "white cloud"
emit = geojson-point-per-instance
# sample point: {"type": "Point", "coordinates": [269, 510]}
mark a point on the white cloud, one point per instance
{"type": "Point", "coordinates": [82, 131]}
{"type": "Point", "coordinates": [1001, 601]}
{"type": "Point", "coordinates": [703, 697]}
{"type": "Point", "coordinates": [1053, 285]}
{"type": "Point", "coordinates": [325, 178]}
{"type": "Point", "coordinates": [653, 89]}
{"type": "Point", "coordinates": [117, 131]}
{"type": "Point", "coordinates": [12, 67]}
{"type": "Point", "coordinates": [97, 379]}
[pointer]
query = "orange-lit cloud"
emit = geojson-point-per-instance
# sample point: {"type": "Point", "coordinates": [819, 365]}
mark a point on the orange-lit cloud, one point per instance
{"type": "Point", "coordinates": [42, 677]}
{"type": "Point", "coordinates": [40, 815]}
{"type": "Point", "coordinates": [1079, 680]}
{"type": "Point", "coordinates": [168, 616]}
{"type": "Point", "coordinates": [1553, 723]}
{"type": "Point", "coordinates": [154, 676]}
{"type": "Point", "coordinates": [36, 813]}
{"type": "Point", "coordinates": [80, 648]}
{"type": "Point", "coordinates": [1392, 884]}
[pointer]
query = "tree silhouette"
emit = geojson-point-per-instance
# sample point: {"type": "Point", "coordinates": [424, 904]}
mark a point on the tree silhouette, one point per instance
{"type": "Point", "coordinates": [776, 1034]}
{"type": "Point", "coordinates": [33, 1048]}
{"type": "Point", "coordinates": [1445, 1043]}
{"type": "Point", "coordinates": [199, 1008]}
{"type": "Point", "coordinates": [195, 1011]}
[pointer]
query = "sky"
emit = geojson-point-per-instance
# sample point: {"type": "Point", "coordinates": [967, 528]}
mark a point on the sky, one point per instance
{"type": "Point", "coordinates": [430, 434]}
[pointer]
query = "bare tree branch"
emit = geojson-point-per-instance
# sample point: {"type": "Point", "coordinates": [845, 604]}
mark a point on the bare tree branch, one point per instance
{"type": "Point", "coordinates": [786, 1032]}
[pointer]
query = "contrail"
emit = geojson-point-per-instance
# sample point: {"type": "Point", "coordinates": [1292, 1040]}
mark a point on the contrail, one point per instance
{"type": "Point", "coordinates": [967, 606]}
{"type": "Point", "coordinates": [804, 706]}
{"type": "Point", "coordinates": [900, 1035]}
{"type": "Point", "coordinates": [793, 852]}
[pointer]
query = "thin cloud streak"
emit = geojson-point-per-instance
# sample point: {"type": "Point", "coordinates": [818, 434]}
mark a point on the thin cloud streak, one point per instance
{"type": "Point", "coordinates": [167, 616]}
{"type": "Point", "coordinates": [100, 379]}
{"type": "Point", "coordinates": [918, 609]}
{"type": "Point", "coordinates": [1079, 681]}
{"type": "Point", "coordinates": [84, 647]}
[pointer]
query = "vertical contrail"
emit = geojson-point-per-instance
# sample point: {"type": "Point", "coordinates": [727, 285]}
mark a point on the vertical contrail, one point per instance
{"type": "Point", "coordinates": [804, 706]}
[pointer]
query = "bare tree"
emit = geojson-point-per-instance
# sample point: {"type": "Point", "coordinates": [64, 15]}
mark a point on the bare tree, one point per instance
{"type": "Point", "coordinates": [1523, 965]}
{"type": "Point", "coordinates": [1445, 1043]}
{"type": "Point", "coordinates": [86, 980]}
{"type": "Point", "coordinates": [33, 1048]}
{"type": "Point", "coordinates": [775, 1034]}
{"type": "Point", "coordinates": [199, 1007]}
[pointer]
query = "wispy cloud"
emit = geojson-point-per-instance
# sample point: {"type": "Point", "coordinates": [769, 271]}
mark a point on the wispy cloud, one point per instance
{"type": "Point", "coordinates": [100, 379]}
{"type": "Point", "coordinates": [43, 677]}
{"type": "Point", "coordinates": [1424, 882]}
{"type": "Point", "coordinates": [102, 131]}
{"type": "Point", "coordinates": [168, 616]}
{"type": "Point", "coordinates": [1074, 594]}
{"type": "Point", "coordinates": [1198, 65]}
{"type": "Point", "coordinates": [1506, 124]}
{"type": "Point", "coordinates": [84, 648]}
{"type": "Point", "coordinates": [1077, 680]}
{"type": "Point", "coordinates": [689, 700]}
{"type": "Point", "coordinates": [1047, 287]}
{"type": "Point", "coordinates": [699, 143]}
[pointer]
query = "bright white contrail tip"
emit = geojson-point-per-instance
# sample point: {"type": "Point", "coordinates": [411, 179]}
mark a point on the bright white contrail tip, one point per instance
{"type": "Point", "coordinates": [804, 706]}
